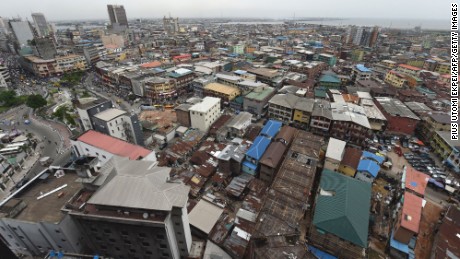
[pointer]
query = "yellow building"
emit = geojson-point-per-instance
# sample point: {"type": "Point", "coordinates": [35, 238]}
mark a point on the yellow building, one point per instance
{"type": "Point", "coordinates": [443, 68]}
{"type": "Point", "coordinates": [350, 161]}
{"type": "Point", "coordinates": [389, 63]}
{"type": "Point", "coordinates": [416, 63]}
{"type": "Point", "coordinates": [409, 70]}
{"type": "Point", "coordinates": [442, 145]}
{"type": "Point", "coordinates": [395, 79]}
{"type": "Point", "coordinates": [225, 92]}
{"type": "Point", "coordinates": [70, 63]}
{"type": "Point", "coordinates": [303, 109]}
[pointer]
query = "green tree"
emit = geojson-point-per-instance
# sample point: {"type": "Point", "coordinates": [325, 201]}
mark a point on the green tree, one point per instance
{"type": "Point", "coordinates": [8, 98]}
{"type": "Point", "coordinates": [35, 101]}
{"type": "Point", "coordinates": [60, 113]}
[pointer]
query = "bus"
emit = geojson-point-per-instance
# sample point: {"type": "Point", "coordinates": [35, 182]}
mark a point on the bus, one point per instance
{"type": "Point", "coordinates": [10, 150]}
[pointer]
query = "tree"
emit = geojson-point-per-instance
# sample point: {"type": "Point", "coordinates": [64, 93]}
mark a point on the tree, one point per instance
{"type": "Point", "coordinates": [35, 101]}
{"type": "Point", "coordinates": [8, 98]}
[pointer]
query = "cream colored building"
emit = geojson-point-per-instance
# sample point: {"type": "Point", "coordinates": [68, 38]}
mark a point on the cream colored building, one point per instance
{"type": "Point", "coordinates": [205, 113]}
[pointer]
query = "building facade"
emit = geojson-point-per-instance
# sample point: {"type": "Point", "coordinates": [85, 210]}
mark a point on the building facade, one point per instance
{"type": "Point", "coordinates": [205, 113]}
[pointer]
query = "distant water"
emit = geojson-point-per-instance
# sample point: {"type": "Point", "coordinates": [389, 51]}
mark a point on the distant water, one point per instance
{"type": "Point", "coordinates": [385, 23]}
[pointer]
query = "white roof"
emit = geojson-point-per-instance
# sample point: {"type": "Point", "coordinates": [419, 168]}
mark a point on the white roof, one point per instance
{"type": "Point", "coordinates": [182, 71]}
{"type": "Point", "coordinates": [335, 149]}
{"type": "Point", "coordinates": [364, 95]}
{"type": "Point", "coordinates": [204, 216]}
{"type": "Point", "coordinates": [205, 104]}
{"type": "Point", "coordinates": [109, 114]}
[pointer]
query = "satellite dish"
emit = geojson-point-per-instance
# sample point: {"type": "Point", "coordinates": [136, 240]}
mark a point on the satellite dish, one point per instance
{"type": "Point", "coordinates": [145, 215]}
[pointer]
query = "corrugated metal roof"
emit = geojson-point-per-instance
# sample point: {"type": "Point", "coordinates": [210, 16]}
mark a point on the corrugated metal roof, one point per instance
{"type": "Point", "coordinates": [411, 212]}
{"type": "Point", "coordinates": [110, 114]}
{"type": "Point", "coordinates": [259, 147]}
{"type": "Point", "coordinates": [343, 209]}
{"type": "Point", "coordinates": [113, 145]}
{"type": "Point", "coordinates": [271, 128]}
{"type": "Point", "coordinates": [416, 181]}
{"type": "Point", "coordinates": [369, 155]}
{"type": "Point", "coordinates": [369, 166]}
{"type": "Point", "coordinates": [138, 184]}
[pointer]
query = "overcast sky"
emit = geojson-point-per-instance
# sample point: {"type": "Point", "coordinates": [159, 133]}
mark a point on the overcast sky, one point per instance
{"type": "Point", "coordinates": [97, 9]}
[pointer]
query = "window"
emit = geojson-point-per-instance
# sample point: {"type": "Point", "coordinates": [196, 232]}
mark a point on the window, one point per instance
{"type": "Point", "coordinates": [145, 244]}
{"type": "Point", "coordinates": [160, 237]}
{"type": "Point", "coordinates": [63, 240]}
{"type": "Point", "coordinates": [163, 246]}
{"type": "Point", "coordinates": [142, 235]}
{"type": "Point", "coordinates": [111, 240]}
{"type": "Point", "coordinates": [57, 231]}
{"type": "Point", "coordinates": [107, 231]}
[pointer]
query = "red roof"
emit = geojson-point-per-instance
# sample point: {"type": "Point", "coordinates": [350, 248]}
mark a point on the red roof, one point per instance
{"type": "Point", "coordinates": [410, 67]}
{"type": "Point", "coordinates": [113, 145]}
{"type": "Point", "coordinates": [416, 181]}
{"type": "Point", "coordinates": [411, 212]}
{"type": "Point", "coordinates": [182, 56]}
{"type": "Point", "coordinates": [152, 64]}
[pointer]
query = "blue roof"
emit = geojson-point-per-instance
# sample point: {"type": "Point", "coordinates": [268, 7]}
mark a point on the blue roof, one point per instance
{"type": "Point", "coordinates": [362, 68]}
{"type": "Point", "coordinates": [398, 245]}
{"type": "Point", "coordinates": [376, 158]}
{"type": "Point", "coordinates": [369, 166]}
{"type": "Point", "coordinates": [319, 253]}
{"type": "Point", "coordinates": [271, 129]}
{"type": "Point", "coordinates": [258, 148]}
{"type": "Point", "coordinates": [250, 165]}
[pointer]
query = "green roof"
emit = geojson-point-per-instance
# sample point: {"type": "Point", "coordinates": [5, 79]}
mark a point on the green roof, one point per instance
{"type": "Point", "coordinates": [329, 79]}
{"type": "Point", "coordinates": [320, 92]}
{"type": "Point", "coordinates": [342, 207]}
{"type": "Point", "coordinates": [260, 94]}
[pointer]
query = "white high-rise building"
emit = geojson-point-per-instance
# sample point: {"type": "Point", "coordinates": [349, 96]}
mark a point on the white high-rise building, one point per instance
{"type": "Point", "coordinates": [205, 113]}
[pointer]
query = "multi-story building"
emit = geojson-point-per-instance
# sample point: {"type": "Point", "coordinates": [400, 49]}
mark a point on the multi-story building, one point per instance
{"type": "Point", "coordinates": [443, 68]}
{"type": "Point", "coordinates": [400, 118]}
{"type": "Point", "coordinates": [274, 156]}
{"type": "Point", "coordinates": [87, 110]}
{"type": "Point", "coordinates": [22, 32]}
{"type": "Point", "coordinates": [119, 124]}
{"type": "Point", "coordinates": [41, 25]}
{"type": "Point", "coordinates": [328, 59]}
{"type": "Point", "coordinates": [341, 219]}
{"type": "Point", "coordinates": [433, 122]}
{"type": "Point", "coordinates": [334, 154]}
{"type": "Point", "coordinates": [444, 147]}
{"type": "Point", "coordinates": [350, 123]}
{"type": "Point", "coordinates": [171, 25]}
{"type": "Point", "coordinates": [303, 110]}
{"type": "Point", "coordinates": [104, 147]}
{"type": "Point", "coordinates": [268, 76]}
{"type": "Point", "coordinates": [409, 70]}
{"type": "Point", "coordinates": [321, 117]}
{"type": "Point", "coordinates": [205, 113]}
{"type": "Point", "coordinates": [183, 114]}
{"type": "Point", "coordinates": [281, 107]}
{"type": "Point", "coordinates": [44, 48]}
{"type": "Point", "coordinates": [158, 88]}
{"type": "Point", "coordinates": [256, 101]}
{"type": "Point", "coordinates": [330, 81]}
{"type": "Point", "coordinates": [447, 235]}
{"type": "Point", "coordinates": [121, 224]}
{"type": "Point", "coordinates": [395, 79]}
{"type": "Point", "coordinates": [4, 77]}
{"type": "Point", "coordinates": [224, 92]}
{"type": "Point", "coordinates": [70, 63]}
{"type": "Point", "coordinates": [117, 15]}
{"type": "Point", "coordinates": [183, 79]}
{"type": "Point", "coordinates": [238, 49]}
{"type": "Point", "coordinates": [360, 72]}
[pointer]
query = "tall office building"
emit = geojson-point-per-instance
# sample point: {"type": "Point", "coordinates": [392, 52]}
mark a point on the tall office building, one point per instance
{"type": "Point", "coordinates": [40, 24]}
{"type": "Point", "coordinates": [171, 25]}
{"type": "Point", "coordinates": [374, 36]}
{"type": "Point", "coordinates": [117, 15]}
{"type": "Point", "coordinates": [22, 31]}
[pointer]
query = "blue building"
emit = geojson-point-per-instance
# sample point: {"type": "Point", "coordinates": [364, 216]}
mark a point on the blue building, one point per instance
{"type": "Point", "coordinates": [367, 170]}
{"type": "Point", "coordinates": [271, 128]}
{"type": "Point", "coordinates": [254, 154]}
{"type": "Point", "coordinates": [372, 156]}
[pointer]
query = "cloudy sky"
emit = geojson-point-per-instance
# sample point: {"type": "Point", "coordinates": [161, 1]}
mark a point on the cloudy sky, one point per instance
{"type": "Point", "coordinates": [96, 9]}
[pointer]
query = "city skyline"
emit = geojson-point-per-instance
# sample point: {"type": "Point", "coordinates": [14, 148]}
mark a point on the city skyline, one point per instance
{"type": "Point", "coordinates": [56, 11]}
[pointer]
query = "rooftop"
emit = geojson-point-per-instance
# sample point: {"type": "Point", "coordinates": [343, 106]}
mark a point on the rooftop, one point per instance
{"type": "Point", "coordinates": [411, 212]}
{"type": "Point", "coordinates": [362, 68]}
{"type": "Point", "coordinates": [206, 104]}
{"type": "Point", "coordinates": [409, 67]}
{"type": "Point", "coordinates": [271, 128]}
{"type": "Point", "coordinates": [415, 180]}
{"type": "Point", "coordinates": [110, 114]}
{"type": "Point", "coordinates": [448, 234]}
{"type": "Point", "coordinates": [351, 157]}
{"type": "Point", "coordinates": [204, 216]}
{"type": "Point", "coordinates": [48, 208]}
{"type": "Point", "coordinates": [343, 207]}
{"type": "Point", "coordinates": [445, 135]}
{"type": "Point", "coordinates": [240, 121]}
{"type": "Point", "coordinates": [136, 180]}
{"type": "Point", "coordinates": [369, 166]}
{"type": "Point", "coordinates": [113, 145]}
{"type": "Point", "coordinates": [335, 149]}
{"type": "Point", "coordinates": [258, 148]}
{"type": "Point", "coordinates": [220, 88]}
{"type": "Point", "coordinates": [260, 93]}
{"type": "Point", "coordinates": [274, 154]}
{"type": "Point", "coordinates": [396, 108]}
